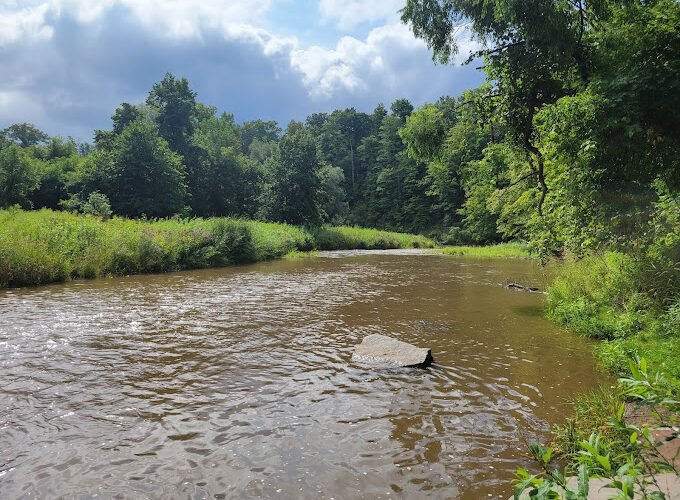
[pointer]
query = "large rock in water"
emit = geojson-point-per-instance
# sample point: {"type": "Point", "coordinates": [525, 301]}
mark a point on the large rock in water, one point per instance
{"type": "Point", "coordinates": [385, 351]}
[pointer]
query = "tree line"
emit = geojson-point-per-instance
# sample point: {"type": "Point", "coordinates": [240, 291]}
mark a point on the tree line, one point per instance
{"type": "Point", "coordinates": [173, 155]}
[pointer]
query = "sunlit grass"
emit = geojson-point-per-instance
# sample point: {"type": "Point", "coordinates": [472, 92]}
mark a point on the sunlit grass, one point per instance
{"type": "Point", "coordinates": [352, 238]}
{"type": "Point", "coordinates": [297, 254]}
{"type": "Point", "coordinates": [44, 246]}
{"type": "Point", "coordinates": [512, 249]}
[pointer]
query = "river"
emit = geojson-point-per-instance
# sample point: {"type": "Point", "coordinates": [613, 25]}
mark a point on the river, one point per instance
{"type": "Point", "coordinates": [238, 382]}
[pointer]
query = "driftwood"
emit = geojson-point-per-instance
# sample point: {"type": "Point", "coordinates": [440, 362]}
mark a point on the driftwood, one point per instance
{"type": "Point", "coordinates": [521, 288]}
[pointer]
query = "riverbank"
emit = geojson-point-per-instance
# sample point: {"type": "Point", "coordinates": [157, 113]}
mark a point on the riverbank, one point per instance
{"type": "Point", "coordinates": [44, 246]}
{"type": "Point", "coordinates": [510, 249]}
{"type": "Point", "coordinates": [629, 304]}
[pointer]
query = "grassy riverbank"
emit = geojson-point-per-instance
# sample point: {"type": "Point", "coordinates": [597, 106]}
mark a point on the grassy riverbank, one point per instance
{"type": "Point", "coordinates": [631, 305]}
{"type": "Point", "coordinates": [511, 249]}
{"type": "Point", "coordinates": [44, 246]}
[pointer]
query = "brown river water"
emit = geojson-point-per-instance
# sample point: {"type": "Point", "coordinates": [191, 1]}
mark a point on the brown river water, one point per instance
{"type": "Point", "coordinates": [238, 382]}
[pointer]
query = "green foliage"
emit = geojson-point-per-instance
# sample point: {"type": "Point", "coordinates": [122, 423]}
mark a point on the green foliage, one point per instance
{"type": "Point", "coordinates": [177, 111]}
{"type": "Point", "coordinates": [258, 130]}
{"type": "Point", "coordinates": [494, 207]}
{"type": "Point", "coordinates": [424, 133]}
{"type": "Point", "coordinates": [600, 297]}
{"type": "Point", "coordinates": [58, 177]}
{"type": "Point", "coordinates": [222, 181]}
{"type": "Point", "coordinates": [18, 177]}
{"type": "Point", "coordinates": [510, 249]}
{"type": "Point", "coordinates": [295, 179]}
{"type": "Point", "coordinates": [24, 134]}
{"type": "Point", "coordinates": [349, 238]}
{"type": "Point", "coordinates": [97, 204]}
{"type": "Point", "coordinates": [140, 175]}
{"type": "Point", "coordinates": [332, 194]}
{"type": "Point", "coordinates": [631, 300]}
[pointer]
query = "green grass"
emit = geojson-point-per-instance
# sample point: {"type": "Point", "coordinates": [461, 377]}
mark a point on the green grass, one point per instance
{"type": "Point", "coordinates": [297, 254]}
{"type": "Point", "coordinates": [591, 412]}
{"type": "Point", "coordinates": [352, 238]}
{"type": "Point", "coordinates": [630, 304]}
{"type": "Point", "coordinates": [40, 247]}
{"type": "Point", "coordinates": [512, 249]}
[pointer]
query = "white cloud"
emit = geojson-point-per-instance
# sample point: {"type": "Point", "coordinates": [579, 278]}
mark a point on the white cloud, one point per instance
{"type": "Point", "coordinates": [352, 66]}
{"type": "Point", "coordinates": [353, 63]}
{"type": "Point", "coordinates": [187, 18]}
{"type": "Point", "coordinates": [347, 14]}
{"type": "Point", "coordinates": [170, 18]}
{"type": "Point", "coordinates": [23, 23]}
{"type": "Point", "coordinates": [390, 58]}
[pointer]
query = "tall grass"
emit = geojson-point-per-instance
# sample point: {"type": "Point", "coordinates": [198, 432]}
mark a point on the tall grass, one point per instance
{"type": "Point", "coordinates": [44, 246]}
{"type": "Point", "coordinates": [511, 249]}
{"type": "Point", "coordinates": [352, 238]}
{"type": "Point", "coordinates": [631, 303]}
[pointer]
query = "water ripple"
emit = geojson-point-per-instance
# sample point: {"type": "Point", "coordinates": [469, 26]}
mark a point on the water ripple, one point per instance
{"type": "Point", "coordinates": [234, 383]}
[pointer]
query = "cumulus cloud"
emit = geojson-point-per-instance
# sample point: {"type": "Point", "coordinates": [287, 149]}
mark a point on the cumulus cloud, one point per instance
{"type": "Point", "coordinates": [68, 63]}
{"type": "Point", "coordinates": [27, 23]}
{"type": "Point", "coordinates": [169, 18]}
{"type": "Point", "coordinates": [389, 59]}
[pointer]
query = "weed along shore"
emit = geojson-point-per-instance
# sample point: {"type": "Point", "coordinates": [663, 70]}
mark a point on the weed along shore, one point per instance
{"type": "Point", "coordinates": [44, 246]}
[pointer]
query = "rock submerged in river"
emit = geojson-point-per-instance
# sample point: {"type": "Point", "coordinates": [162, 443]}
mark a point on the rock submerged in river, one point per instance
{"type": "Point", "coordinates": [382, 350]}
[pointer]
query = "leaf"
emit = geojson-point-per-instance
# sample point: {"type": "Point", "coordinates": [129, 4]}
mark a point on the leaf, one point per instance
{"type": "Point", "coordinates": [583, 481]}
{"type": "Point", "coordinates": [586, 445]}
{"type": "Point", "coordinates": [633, 438]}
{"type": "Point", "coordinates": [604, 462]}
{"type": "Point", "coordinates": [643, 365]}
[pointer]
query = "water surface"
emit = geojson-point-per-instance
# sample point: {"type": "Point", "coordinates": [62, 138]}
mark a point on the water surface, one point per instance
{"type": "Point", "coordinates": [237, 382]}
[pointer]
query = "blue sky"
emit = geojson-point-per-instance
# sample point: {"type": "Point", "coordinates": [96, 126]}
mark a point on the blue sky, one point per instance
{"type": "Point", "coordinates": [68, 63]}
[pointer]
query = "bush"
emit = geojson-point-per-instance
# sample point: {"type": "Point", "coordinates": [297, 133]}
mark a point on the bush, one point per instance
{"type": "Point", "coordinates": [98, 205]}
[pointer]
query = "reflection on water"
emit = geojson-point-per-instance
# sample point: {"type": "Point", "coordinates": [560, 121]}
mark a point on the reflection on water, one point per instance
{"type": "Point", "coordinates": [238, 382]}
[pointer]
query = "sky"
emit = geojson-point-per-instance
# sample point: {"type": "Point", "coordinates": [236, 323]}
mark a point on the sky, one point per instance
{"type": "Point", "coordinates": [67, 64]}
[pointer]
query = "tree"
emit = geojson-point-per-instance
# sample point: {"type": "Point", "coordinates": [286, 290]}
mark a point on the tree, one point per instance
{"type": "Point", "coordinates": [401, 108]}
{"type": "Point", "coordinates": [295, 178]}
{"type": "Point", "coordinates": [140, 175]}
{"type": "Point", "coordinates": [24, 134]}
{"type": "Point", "coordinates": [332, 196]}
{"type": "Point", "coordinates": [57, 147]}
{"type": "Point", "coordinates": [214, 168]}
{"type": "Point", "coordinates": [339, 135]}
{"type": "Point", "coordinates": [97, 204]}
{"type": "Point", "coordinates": [58, 178]}
{"type": "Point", "coordinates": [18, 177]}
{"type": "Point", "coordinates": [262, 130]}
{"type": "Point", "coordinates": [535, 52]}
{"type": "Point", "coordinates": [424, 133]}
{"type": "Point", "coordinates": [177, 111]}
{"type": "Point", "coordinates": [124, 115]}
